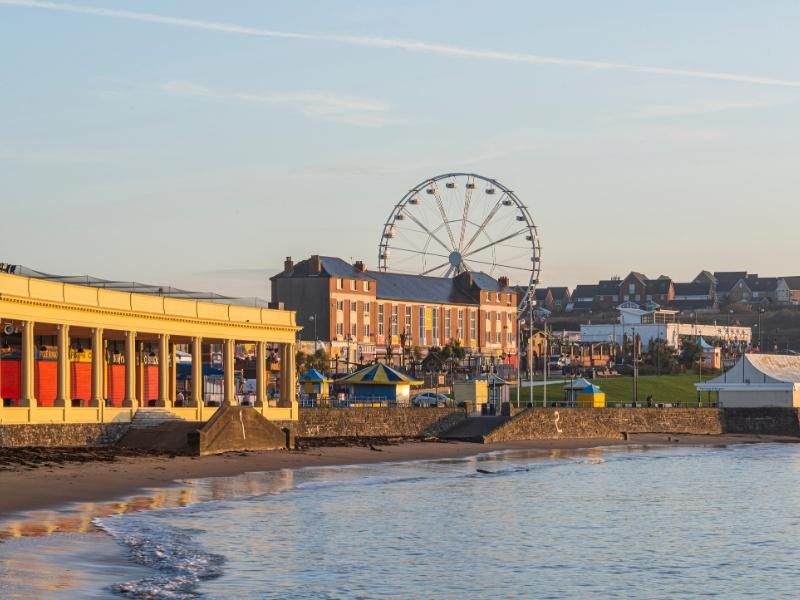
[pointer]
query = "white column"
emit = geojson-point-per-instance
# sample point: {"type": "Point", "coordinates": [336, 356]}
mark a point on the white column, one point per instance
{"type": "Point", "coordinates": [27, 397]}
{"type": "Point", "coordinates": [63, 397]}
{"type": "Point", "coordinates": [288, 377]}
{"type": "Point", "coordinates": [163, 370]}
{"type": "Point", "coordinates": [228, 374]}
{"type": "Point", "coordinates": [98, 368]}
{"type": "Point", "coordinates": [197, 371]}
{"type": "Point", "coordinates": [130, 369]}
{"type": "Point", "coordinates": [261, 372]}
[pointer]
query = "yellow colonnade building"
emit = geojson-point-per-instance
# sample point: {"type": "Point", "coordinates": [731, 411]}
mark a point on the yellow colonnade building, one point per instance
{"type": "Point", "coordinates": [130, 360]}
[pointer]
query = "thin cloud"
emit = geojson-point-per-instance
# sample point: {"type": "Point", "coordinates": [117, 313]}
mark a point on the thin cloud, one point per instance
{"type": "Point", "coordinates": [411, 45]}
{"type": "Point", "coordinates": [324, 106]}
{"type": "Point", "coordinates": [707, 107]}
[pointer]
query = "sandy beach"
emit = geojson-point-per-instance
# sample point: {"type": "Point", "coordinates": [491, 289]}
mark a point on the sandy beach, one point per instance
{"type": "Point", "coordinates": [50, 485]}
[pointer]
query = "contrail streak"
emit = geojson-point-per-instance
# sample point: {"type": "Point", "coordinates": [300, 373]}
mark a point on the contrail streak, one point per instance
{"type": "Point", "coordinates": [412, 45]}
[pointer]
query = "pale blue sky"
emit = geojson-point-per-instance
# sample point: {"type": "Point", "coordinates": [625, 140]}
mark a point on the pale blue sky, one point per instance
{"type": "Point", "coordinates": [200, 151]}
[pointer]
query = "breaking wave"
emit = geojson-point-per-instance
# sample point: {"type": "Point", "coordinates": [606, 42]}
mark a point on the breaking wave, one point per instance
{"type": "Point", "coordinates": [180, 563]}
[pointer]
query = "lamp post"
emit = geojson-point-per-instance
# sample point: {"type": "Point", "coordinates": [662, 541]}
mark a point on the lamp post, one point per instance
{"type": "Point", "coordinates": [520, 323]}
{"type": "Point", "coordinates": [545, 365]}
{"type": "Point", "coordinates": [347, 362]}
{"type": "Point", "coordinates": [403, 337]}
{"type": "Point", "coordinates": [316, 339]}
{"type": "Point", "coordinates": [760, 335]}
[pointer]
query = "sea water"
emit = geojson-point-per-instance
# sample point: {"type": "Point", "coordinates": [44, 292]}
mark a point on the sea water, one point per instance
{"type": "Point", "coordinates": [622, 522]}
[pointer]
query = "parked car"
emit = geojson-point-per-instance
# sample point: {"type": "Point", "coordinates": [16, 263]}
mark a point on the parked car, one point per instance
{"type": "Point", "coordinates": [431, 399]}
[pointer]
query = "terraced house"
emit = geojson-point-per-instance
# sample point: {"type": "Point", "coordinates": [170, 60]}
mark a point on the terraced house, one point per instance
{"type": "Point", "coordinates": [360, 315]}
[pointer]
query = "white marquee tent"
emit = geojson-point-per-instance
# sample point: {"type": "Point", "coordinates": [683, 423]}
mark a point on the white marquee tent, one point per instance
{"type": "Point", "coordinates": [758, 380]}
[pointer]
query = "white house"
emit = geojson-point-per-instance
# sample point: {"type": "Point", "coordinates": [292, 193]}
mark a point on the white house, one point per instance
{"type": "Point", "coordinates": [758, 380]}
{"type": "Point", "coordinates": [659, 324]}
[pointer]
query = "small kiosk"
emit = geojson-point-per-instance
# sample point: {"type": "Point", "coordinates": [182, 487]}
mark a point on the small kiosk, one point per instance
{"type": "Point", "coordinates": [591, 397]}
{"type": "Point", "coordinates": [378, 385]}
{"type": "Point", "coordinates": [315, 384]}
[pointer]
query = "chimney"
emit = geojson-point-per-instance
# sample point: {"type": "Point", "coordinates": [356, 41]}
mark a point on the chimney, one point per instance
{"type": "Point", "coordinates": [315, 264]}
{"type": "Point", "coordinates": [503, 282]}
{"type": "Point", "coordinates": [288, 265]}
{"type": "Point", "coordinates": [360, 266]}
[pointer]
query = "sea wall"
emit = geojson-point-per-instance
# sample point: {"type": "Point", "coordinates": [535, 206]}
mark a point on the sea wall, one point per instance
{"type": "Point", "coordinates": [375, 422]}
{"type": "Point", "coordinates": [614, 423]}
{"type": "Point", "coordinates": [61, 435]}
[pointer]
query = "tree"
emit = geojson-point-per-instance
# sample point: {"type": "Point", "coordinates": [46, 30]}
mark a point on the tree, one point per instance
{"type": "Point", "coordinates": [319, 360]}
{"type": "Point", "coordinates": [691, 352]}
{"type": "Point", "coordinates": [662, 356]}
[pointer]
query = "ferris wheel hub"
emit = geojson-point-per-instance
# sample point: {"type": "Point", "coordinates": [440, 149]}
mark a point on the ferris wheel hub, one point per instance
{"type": "Point", "coordinates": [455, 259]}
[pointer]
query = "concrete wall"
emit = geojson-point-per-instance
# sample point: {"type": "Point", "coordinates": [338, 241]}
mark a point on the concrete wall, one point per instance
{"type": "Point", "coordinates": [376, 422]}
{"type": "Point", "coordinates": [542, 424]}
{"type": "Point", "coordinates": [61, 435]}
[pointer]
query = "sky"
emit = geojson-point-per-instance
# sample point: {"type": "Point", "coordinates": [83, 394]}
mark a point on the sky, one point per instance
{"type": "Point", "coordinates": [198, 143]}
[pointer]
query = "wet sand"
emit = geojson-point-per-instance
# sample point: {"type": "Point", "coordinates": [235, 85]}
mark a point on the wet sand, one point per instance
{"type": "Point", "coordinates": [31, 486]}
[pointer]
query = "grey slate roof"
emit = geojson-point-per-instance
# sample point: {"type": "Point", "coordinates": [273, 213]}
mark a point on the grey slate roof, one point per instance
{"type": "Point", "coordinates": [330, 267]}
{"type": "Point", "coordinates": [694, 288]}
{"type": "Point", "coordinates": [584, 292]}
{"type": "Point", "coordinates": [608, 287]}
{"type": "Point", "coordinates": [792, 282]}
{"type": "Point", "coordinates": [762, 284]}
{"type": "Point", "coordinates": [658, 286]}
{"type": "Point", "coordinates": [400, 286]}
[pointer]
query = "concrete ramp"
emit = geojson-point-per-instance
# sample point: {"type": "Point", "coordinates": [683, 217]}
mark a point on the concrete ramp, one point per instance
{"type": "Point", "coordinates": [474, 429]}
{"type": "Point", "coordinates": [237, 428]}
{"type": "Point", "coordinates": [168, 437]}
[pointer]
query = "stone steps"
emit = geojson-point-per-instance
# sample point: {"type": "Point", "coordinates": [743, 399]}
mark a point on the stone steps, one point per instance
{"type": "Point", "coordinates": [146, 418]}
{"type": "Point", "coordinates": [474, 429]}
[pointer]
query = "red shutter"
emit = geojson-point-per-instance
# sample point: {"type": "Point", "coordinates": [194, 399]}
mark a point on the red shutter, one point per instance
{"type": "Point", "coordinates": [45, 382]}
{"type": "Point", "coordinates": [81, 382]}
{"type": "Point", "coordinates": [116, 384]}
{"type": "Point", "coordinates": [10, 380]}
{"type": "Point", "coordinates": [150, 379]}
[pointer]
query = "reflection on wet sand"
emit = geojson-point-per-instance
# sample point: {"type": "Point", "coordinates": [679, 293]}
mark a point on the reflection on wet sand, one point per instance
{"type": "Point", "coordinates": [79, 518]}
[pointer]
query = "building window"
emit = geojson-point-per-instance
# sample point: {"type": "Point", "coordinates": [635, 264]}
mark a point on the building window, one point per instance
{"type": "Point", "coordinates": [473, 325]}
{"type": "Point", "coordinates": [340, 305]}
{"type": "Point", "coordinates": [353, 330]}
{"type": "Point", "coordinates": [339, 284]}
{"type": "Point", "coordinates": [421, 313]}
{"type": "Point", "coordinates": [366, 330]}
{"type": "Point", "coordinates": [631, 288]}
{"type": "Point", "coordinates": [380, 319]}
{"type": "Point", "coordinates": [353, 306]}
{"type": "Point", "coordinates": [448, 325]}
{"type": "Point", "coordinates": [460, 325]}
{"type": "Point", "coordinates": [367, 308]}
{"type": "Point", "coordinates": [366, 286]}
{"type": "Point", "coordinates": [435, 325]}
{"type": "Point", "coordinates": [407, 328]}
{"type": "Point", "coordinates": [353, 284]}
{"type": "Point", "coordinates": [340, 329]}
{"type": "Point", "coordinates": [394, 319]}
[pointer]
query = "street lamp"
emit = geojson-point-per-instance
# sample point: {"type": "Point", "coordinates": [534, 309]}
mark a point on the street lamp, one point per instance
{"type": "Point", "coordinates": [403, 337]}
{"type": "Point", "coordinates": [316, 339]}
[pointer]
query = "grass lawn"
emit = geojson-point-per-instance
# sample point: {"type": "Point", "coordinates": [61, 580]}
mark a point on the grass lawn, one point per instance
{"type": "Point", "coordinates": [677, 390]}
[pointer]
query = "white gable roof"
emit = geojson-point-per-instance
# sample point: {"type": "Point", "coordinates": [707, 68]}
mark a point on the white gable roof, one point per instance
{"type": "Point", "coordinates": [754, 369]}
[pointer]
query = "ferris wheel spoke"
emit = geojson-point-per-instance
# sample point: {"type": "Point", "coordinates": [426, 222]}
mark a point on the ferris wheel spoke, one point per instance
{"type": "Point", "coordinates": [496, 242]}
{"type": "Point", "coordinates": [422, 252]}
{"type": "Point", "coordinates": [428, 231]}
{"type": "Point", "coordinates": [496, 264]}
{"type": "Point", "coordinates": [442, 212]}
{"type": "Point", "coordinates": [436, 268]}
{"type": "Point", "coordinates": [483, 225]}
{"type": "Point", "coordinates": [467, 201]}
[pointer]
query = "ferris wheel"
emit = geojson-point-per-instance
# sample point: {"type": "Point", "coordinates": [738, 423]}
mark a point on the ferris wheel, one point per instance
{"type": "Point", "coordinates": [460, 222]}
